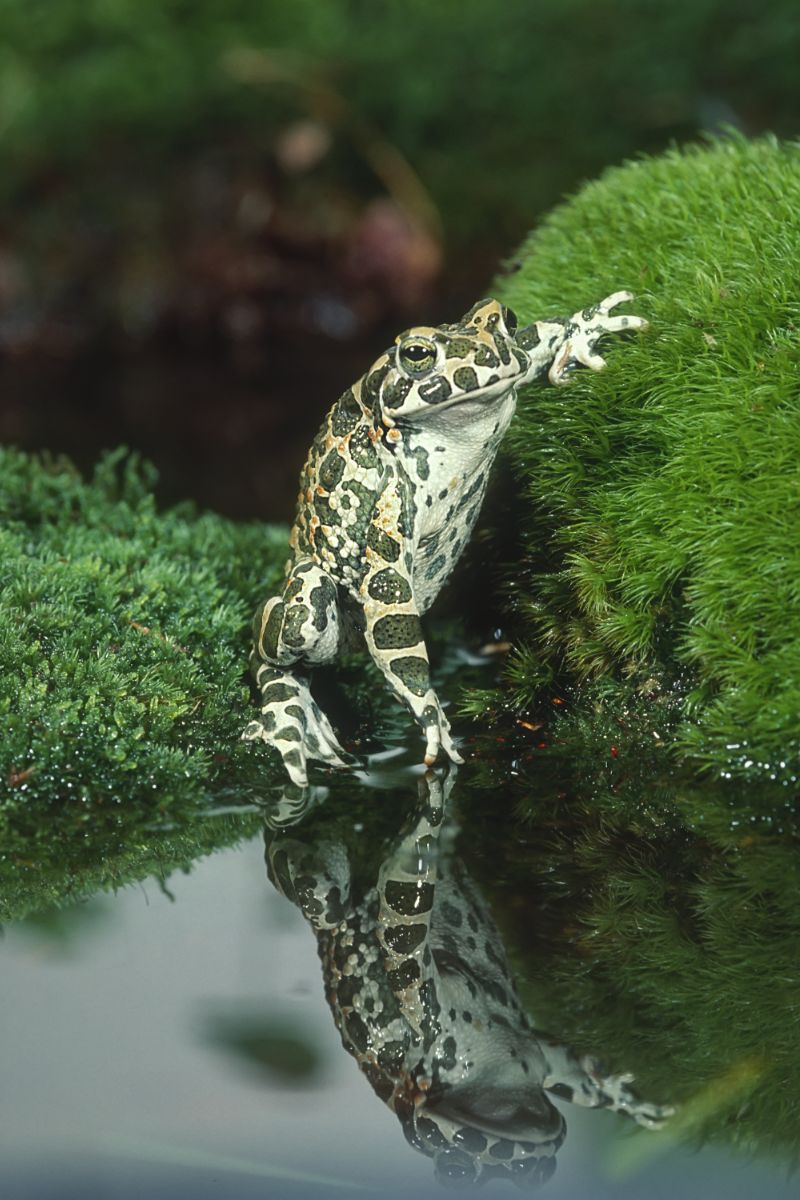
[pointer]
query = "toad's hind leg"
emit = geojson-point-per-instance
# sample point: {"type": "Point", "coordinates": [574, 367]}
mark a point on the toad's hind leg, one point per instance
{"type": "Point", "coordinates": [300, 628]}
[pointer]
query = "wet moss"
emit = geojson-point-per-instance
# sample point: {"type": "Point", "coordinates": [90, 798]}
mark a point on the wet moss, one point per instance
{"type": "Point", "coordinates": [123, 683]}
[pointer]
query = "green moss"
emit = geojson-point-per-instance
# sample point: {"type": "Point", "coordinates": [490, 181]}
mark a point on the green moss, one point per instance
{"type": "Point", "coordinates": [124, 634]}
{"type": "Point", "coordinates": [123, 682]}
{"type": "Point", "coordinates": [662, 506]}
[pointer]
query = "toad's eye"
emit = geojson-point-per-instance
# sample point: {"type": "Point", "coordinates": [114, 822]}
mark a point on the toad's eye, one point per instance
{"type": "Point", "coordinates": [511, 322]}
{"type": "Point", "coordinates": [416, 355]}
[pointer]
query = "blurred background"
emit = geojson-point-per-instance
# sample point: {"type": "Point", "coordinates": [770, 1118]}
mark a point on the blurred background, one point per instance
{"type": "Point", "coordinates": [214, 214]}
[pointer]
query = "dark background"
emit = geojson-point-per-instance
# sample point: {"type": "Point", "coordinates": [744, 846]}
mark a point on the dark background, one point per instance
{"type": "Point", "coordinates": [214, 215]}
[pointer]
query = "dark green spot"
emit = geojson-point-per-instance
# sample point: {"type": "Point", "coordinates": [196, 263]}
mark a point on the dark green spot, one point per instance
{"type": "Point", "coordinates": [503, 350]}
{"type": "Point", "coordinates": [381, 543]}
{"type": "Point", "coordinates": [276, 692]}
{"type": "Point", "coordinates": [451, 914]}
{"type": "Point", "coordinates": [470, 1139]}
{"type": "Point", "coordinates": [288, 734]}
{"type": "Point", "coordinates": [389, 586]}
{"type": "Point", "coordinates": [431, 1133]}
{"type": "Point", "coordinates": [421, 460]}
{"type": "Point", "coordinates": [362, 450]}
{"type": "Point", "coordinates": [346, 415]}
{"type": "Point", "coordinates": [357, 1031]}
{"type": "Point", "coordinates": [394, 393]}
{"type": "Point", "coordinates": [404, 939]}
{"type": "Point", "coordinates": [403, 976]}
{"type": "Point", "coordinates": [413, 672]}
{"type": "Point", "coordinates": [322, 597]}
{"type": "Point", "coordinates": [484, 357]}
{"type": "Point", "coordinates": [436, 566]}
{"type": "Point", "coordinates": [331, 470]}
{"type": "Point", "coordinates": [458, 348]}
{"type": "Point", "coordinates": [373, 381]}
{"type": "Point", "coordinates": [397, 631]}
{"type": "Point", "coordinates": [447, 1056]}
{"type": "Point", "coordinates": [348, 988]}
{"type": "Point", "coordinates": [380, 1084]}
{"type": "Point", "coordinates": [471, 491]}
{"type": "Point", "coordinates": [391, 1055]}
{"type": "Point", "coordinates": [325, 513]}
{"type": "Point", "coordinates": [466, 378]}
{"type": "Point", "coordinates": [435, 390]}
{"type": "Point", "coordinates": [267, 643]}
{"type": "Point", "coordinates": [294, 619]}
{"type": "Point", "coordinates": [408, 899]}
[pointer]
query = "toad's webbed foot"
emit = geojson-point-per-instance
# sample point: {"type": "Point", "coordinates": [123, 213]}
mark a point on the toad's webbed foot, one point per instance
{"type": "Point", "coordinates": [583, 1081]}
{"type": "Point", "coordinates": [438, 738]}
{"type": "Point", "coordinates": [293, 631]}
{"type": "Point", "coordinates": [583, 331]}
{"type": "Point", "coordinates": [292, 722]}
{"type": "Point", "coordinates": [292, 805]}
{"type": "Point", "coordinates": [614, 1092]}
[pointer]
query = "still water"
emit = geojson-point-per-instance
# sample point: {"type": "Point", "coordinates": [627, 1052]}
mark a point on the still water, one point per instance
{"type": "Point", "coordinates": [176, 1041]}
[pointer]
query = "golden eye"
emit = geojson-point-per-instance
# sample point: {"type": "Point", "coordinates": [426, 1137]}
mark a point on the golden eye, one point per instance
{"type": "Point", "coordinates": [416, 356]}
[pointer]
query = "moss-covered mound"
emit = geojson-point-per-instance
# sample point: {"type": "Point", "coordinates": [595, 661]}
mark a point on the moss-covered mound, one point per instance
{"type": "Point", "coordinates": [122, 646]}
{"type": "Point", "coordinates": [660, 500]}
{"type": "Point", "coordinates": [123, 681]}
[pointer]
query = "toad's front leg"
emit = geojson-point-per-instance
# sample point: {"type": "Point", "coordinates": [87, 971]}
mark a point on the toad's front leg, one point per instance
{"type": "Point", "coordinates": [557, 346]}
{"type": "Point", "coordinates": [293, 632]}
{"type": "Point", "coordinates": [582, 1081]}
{"type": "Point", "coordinates": [393, 631]}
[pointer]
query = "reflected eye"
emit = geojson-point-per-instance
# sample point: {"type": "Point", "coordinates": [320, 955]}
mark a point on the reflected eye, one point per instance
{"type": "Point", "coordinates": [510, 318]}
{"type": "Point", "coordinates": [416, 355]}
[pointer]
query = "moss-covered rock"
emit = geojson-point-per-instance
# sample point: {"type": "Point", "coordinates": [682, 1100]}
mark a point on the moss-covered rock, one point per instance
{"type": "Point", "coordinates": [660, 523]}
{"type": "Point", "coordinates": [123, 683]}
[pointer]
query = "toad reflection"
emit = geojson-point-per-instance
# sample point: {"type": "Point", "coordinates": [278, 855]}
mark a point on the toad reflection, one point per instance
{"type": "Point", "coordinates": [420, 989]}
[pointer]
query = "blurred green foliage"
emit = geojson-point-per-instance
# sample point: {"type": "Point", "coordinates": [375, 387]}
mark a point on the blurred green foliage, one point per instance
{"type": "Point", "coordinates": [659, 528]}
{"type": "Point", "coordinates": [499, 112]}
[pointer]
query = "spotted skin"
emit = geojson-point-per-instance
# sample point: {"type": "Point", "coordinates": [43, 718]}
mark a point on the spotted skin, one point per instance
{"type": "Point", "coordinates": [418, 982]}
{"type": "Point", "coordinates": [389, 494]}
